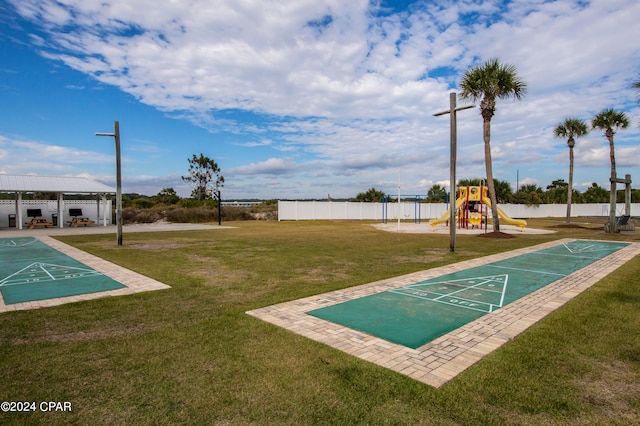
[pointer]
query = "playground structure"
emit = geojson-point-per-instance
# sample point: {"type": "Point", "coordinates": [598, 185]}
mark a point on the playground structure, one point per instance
{"type": "Point", "coordinates": [472, 206]}
{"type": "Point", "coordinates": [417, 205]}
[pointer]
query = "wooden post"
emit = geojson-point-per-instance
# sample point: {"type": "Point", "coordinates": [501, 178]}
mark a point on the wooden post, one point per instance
{"type": "Point", "coordinates": [452, 167]}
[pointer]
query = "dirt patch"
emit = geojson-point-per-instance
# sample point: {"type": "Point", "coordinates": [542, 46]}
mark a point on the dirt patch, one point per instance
{"type": "Point", "coordinates": [155, 245]}
{"type": "Point", "coordinates": [610, 389]}
{"type": "Point", "coordinates": [497, 234]}
{"type": "Point", "coordinates": [213, 271]}
{"type": "Point", "coordinates": [320, 274]}
{"type": "Point", "coordinates": [86, 335]}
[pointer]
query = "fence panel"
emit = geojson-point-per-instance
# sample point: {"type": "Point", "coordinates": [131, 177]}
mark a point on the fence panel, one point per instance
{"type": "Point", "coordinates": [337, 210]}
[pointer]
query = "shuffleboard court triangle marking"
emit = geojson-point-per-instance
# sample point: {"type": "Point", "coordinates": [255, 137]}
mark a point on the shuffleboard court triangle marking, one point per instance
{"type": "Point", "coordinates": [588, 247]}
{"type": "Point", "coordinates": [40, 272]}
{"type": "Point", "coordinates": [13, 243]}
{"type": "Point", "coordinates": [477, 293]}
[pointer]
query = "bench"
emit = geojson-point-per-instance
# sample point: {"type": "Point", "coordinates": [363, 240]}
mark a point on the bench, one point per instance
{"type": "Point", "coordinates": [77, 219]}
{"type": "Point", "coordinates": [623, 220]}
{"type": "Point", "coordinates": [37, 219]}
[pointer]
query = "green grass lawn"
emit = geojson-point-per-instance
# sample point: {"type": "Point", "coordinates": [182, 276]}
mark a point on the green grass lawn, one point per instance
{"type": "Point", "coordinates": [190, 355]}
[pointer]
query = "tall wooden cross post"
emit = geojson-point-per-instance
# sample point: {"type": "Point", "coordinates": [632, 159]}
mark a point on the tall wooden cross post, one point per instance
{"type": "Point", "coordinates": [452, 111]}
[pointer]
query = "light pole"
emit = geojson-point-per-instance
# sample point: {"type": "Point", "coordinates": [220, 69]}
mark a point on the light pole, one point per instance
{"type": "Point", "coordinates": [452, 111]}
{"type": "Point", "coordinates": [219, 196]}
{"type": "Point", "coordinates": [116, 136]}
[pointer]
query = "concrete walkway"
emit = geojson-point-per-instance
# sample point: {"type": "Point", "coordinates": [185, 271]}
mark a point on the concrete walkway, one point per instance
{"type": "Point", "coordinates": [442, 359]}
{"type": "Point", "coordinates": [425, 228]}
{"type": "Point", "coordinates": [111, 229]}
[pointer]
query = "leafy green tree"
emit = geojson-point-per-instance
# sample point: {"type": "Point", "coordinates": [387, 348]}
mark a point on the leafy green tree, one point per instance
{"type": "Point", "coordinates": [203, 171]}
{"type": "Point", "coordinates": [45, 196]}
{"type": "Point", "coordinates": [570, 128]}
{"type": "Point", "coordinates": [370, 196]}
{"type": "Point", "coordinates": [636, 86]}
{"type": "Point", "coordinates": [556, 192]}
{"type": "Point", "coordinates": [487, 83]}
{"type": "Point", "coordinates": [595, 194]}
{"type": "Point", "coordinates": [504, 193]}
{"type": "Point", "coordinates": [531, 195]}
{"type": "Point", "coordinates": [167, 196]}
{"type": "Point", "coordinates": [609, 121]}
{"type": "Point", "coordinates": [437, 194]}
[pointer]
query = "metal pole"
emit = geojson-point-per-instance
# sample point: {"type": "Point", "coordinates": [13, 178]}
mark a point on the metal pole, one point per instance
{"type": "Point", "coordinates": [452, 171]}
{"type": "Point", "coordinates": [116, 127]}
{"type": "Point", "coordinates": [116, 136]}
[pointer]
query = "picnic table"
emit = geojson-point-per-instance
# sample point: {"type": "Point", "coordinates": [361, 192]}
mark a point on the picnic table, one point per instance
{"type": "Point", "coordinates": [37, 219]}
{"type": "Point", "coordinates": [77, 219]}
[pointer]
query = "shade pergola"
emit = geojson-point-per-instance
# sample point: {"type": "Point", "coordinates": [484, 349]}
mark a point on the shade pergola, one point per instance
{"type": "Point", "coordinates": [20, 184]}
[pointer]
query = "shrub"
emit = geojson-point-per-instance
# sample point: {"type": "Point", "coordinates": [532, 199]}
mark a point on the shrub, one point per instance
{"type": "Point", "coordinates": [134, 215]}
{"type": "Point", "coordinates": [191, 211]}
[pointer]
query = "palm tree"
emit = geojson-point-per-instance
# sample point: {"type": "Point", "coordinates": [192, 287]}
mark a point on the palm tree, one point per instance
{"type": "Point", "coordinates": [486, 83]}
{"type": "Point", "coordinates": [636, 85]}
{"type": "Point", "coordinates": [570, 128]}
{"type": "Point", "coordinates": [608, 120]}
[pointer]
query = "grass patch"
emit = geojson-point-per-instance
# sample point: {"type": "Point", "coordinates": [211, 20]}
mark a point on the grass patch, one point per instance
{"type": "Point", "coordinates": [190, 355]}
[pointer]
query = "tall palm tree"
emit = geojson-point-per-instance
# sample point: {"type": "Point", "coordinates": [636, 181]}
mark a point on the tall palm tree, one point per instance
{"type": "Point", "coordinates": [636, 85]}
{"type": "Point", "coordinates": [607, 120]}
{"type": "Point", "coordinates": [486, 83]}
{"type": "Point", "coordinates": [570, 128]}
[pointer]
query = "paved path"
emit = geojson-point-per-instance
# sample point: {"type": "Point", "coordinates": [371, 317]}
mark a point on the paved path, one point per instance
{"type": "Point", "coordinates": [111, 229]}
{"type": "Point", "coordinates": [442, 359]}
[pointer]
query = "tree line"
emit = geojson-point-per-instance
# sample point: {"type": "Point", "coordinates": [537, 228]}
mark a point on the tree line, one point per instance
{"type": "Point", "coordinates": [532, 195]}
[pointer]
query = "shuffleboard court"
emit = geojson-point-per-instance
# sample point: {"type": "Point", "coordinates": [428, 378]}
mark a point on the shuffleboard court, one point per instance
{"type": "Point", "coordinates": [31, 270]}
{"type": "Point", "coordinates": [443, 358]}
{"type": "Point", "coordinates": [416, 314]}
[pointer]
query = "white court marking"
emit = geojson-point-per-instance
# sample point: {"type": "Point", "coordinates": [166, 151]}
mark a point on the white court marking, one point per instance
{"type": "Point", "coordinates": [43, 272]}
{"type": "Point", "coordinates": [588, 247]}
{"type": "Point", "coordinates": [13, 243]}
{"type": "Point", "coordinates": [484, 293]}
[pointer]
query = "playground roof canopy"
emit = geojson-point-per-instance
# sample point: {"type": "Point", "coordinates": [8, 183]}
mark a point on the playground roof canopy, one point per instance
{"type": "Point", "coordinates": [66, 185]}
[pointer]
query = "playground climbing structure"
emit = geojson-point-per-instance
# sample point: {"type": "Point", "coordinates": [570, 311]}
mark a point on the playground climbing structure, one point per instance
{"type": "Point", "coordinates": [472, 207]}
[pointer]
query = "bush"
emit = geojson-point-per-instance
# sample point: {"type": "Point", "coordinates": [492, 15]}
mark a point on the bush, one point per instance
{"type": "Point", "coordinates": [134, 215]}
{"type": "Point", "coordinates": [191, 211]}
{"type": "Point", "coordinates": [191, 215]}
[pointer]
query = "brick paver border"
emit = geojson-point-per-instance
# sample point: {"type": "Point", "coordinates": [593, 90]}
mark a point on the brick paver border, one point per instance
{"type": "Point", "coordinates": [442, 359]}
{"type": "Point", "coordinates": [134, 282]}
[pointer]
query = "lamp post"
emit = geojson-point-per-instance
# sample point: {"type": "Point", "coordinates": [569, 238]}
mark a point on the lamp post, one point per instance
{"type": "Point", "coordinates": [219, 196]}
{"type": "Point", "coordinates": [116, 136]}
{"type": "Point", "coordinates": [452, 111]}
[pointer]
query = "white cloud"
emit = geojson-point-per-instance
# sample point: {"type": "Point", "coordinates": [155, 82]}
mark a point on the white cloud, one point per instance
{"type": "Point", "coordinates": [347, 90]}
{"type": "Point", "coordinates": [25, 157]}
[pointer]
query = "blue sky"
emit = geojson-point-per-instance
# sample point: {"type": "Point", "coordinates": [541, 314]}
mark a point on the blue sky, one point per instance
{"type": "Point", "coordinates": [309, 98]}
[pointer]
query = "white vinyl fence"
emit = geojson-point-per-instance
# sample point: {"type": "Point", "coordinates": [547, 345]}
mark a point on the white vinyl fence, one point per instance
{"type": "Point", "coordinates": [330, 210]}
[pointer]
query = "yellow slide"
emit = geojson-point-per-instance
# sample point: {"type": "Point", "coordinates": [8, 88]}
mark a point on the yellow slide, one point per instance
{"type": "Point", "coordinates": [445, 217]}
{"type": "Point", "coordinates": [503, 215]}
